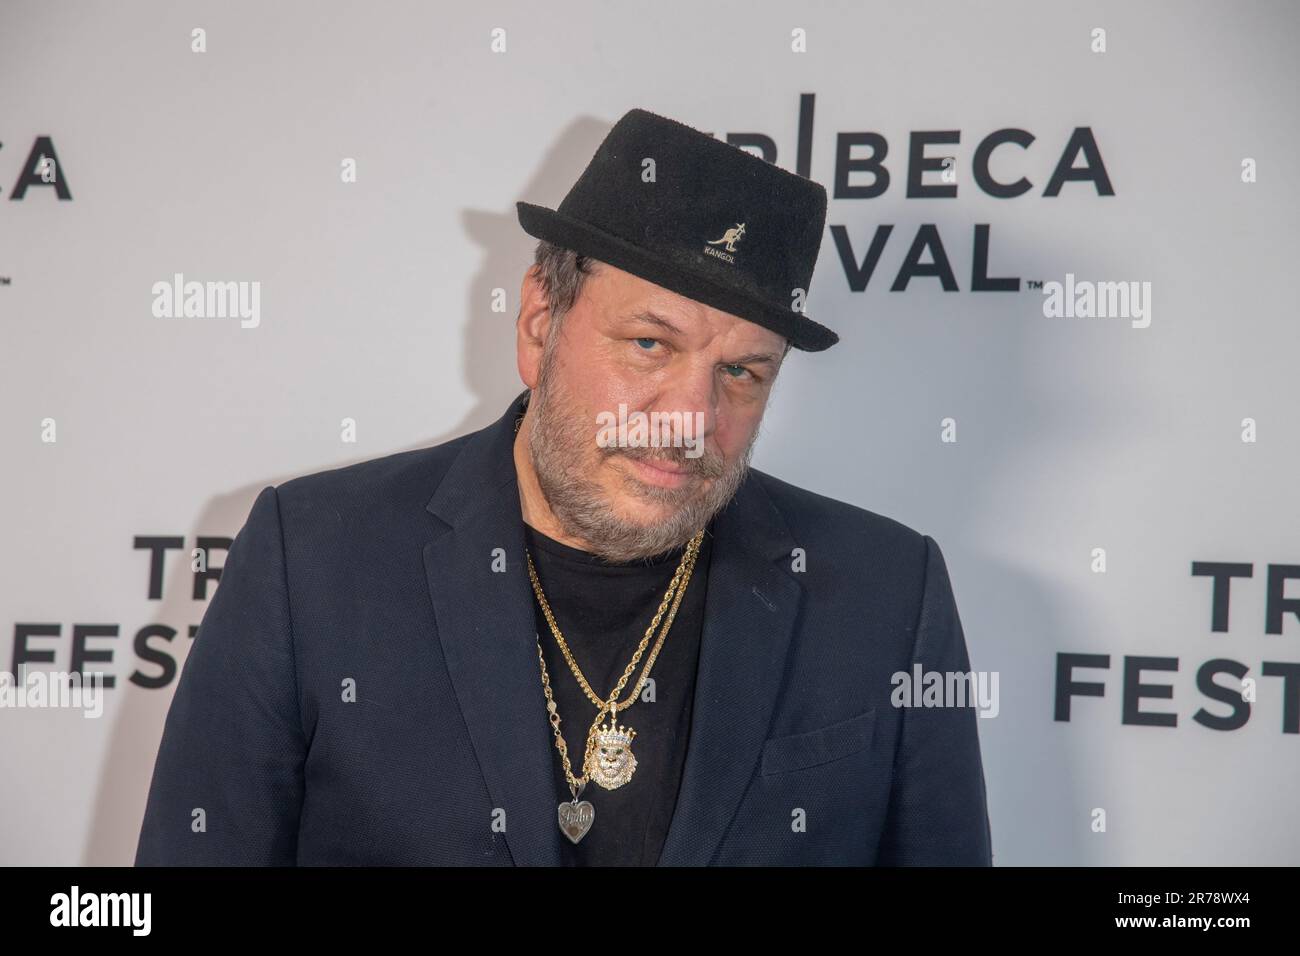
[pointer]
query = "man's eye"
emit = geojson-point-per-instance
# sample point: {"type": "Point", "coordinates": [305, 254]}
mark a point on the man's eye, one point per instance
{"type": "Point", "coordinates": [643, 343]}
{"type": "Point", "coordinates": [736, 371]}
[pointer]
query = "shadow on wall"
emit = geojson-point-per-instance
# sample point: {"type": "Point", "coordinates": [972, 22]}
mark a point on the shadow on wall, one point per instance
{"type": "Point", "coordinates": [492, 378]}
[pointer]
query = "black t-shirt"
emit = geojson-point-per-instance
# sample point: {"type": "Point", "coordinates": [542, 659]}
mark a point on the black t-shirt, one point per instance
{"type": "Point", "coordinates": [603, 609]}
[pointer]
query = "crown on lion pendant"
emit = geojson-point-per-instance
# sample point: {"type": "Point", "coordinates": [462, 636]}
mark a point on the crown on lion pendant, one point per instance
{"type": "Point", "coordinates": [610, 736]}
{"type": "Point", "coordinates": [612, 759]}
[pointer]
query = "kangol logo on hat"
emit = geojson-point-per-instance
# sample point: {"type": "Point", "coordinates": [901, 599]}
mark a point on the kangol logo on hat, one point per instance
{"type": "Point", "coordinates": [664, 226]}
{"type": "Point", "coordinates": [730, 237]}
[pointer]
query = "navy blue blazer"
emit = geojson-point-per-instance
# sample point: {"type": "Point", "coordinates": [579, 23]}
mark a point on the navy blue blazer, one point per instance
{"type": "Point", "coordinates": [383, 577]}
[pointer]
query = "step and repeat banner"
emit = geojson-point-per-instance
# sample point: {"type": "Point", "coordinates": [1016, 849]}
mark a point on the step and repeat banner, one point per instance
{"type": "Point", "coordinates": [243, 242]}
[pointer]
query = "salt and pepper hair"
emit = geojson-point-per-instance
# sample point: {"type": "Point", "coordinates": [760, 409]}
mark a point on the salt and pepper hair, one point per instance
{"type": "Point", "coordinates": [562, 273]}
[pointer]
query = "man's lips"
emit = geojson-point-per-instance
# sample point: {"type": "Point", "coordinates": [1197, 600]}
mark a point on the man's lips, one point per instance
{"type": "Point", "coordinates": [660, 473]}
{"type": "Point", "coordinates": [664, 466]}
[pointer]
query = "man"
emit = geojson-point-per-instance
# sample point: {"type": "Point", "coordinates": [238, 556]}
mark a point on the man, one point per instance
{"type": "Point", "coordinates": [557, 641]}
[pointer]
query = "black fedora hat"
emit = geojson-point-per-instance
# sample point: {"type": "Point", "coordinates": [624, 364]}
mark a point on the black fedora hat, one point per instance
{"type": "Point", "coordinates": [705, 219]}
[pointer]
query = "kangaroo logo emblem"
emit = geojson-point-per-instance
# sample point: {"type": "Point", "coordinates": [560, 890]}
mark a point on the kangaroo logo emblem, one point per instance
{"type": "Point", "coordinates": [731, 237]}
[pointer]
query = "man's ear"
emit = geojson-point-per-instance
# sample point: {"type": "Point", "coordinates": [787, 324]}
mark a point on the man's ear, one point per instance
{"type": "Point", "coordinates": [531, 327]}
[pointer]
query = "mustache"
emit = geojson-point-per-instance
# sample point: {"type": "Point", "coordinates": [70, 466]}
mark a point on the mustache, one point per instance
{"type": "Point", "coordinates": [707, 465]}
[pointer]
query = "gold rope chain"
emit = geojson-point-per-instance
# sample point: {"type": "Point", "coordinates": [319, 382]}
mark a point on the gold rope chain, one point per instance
{"type": "Point", "coordinates": [676, 587]}
{"type": "Point", "coordinates": [576, 784]}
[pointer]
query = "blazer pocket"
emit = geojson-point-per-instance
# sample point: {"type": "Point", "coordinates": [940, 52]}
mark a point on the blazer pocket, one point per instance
{"type": "Point", "coordinates": [820, 746]}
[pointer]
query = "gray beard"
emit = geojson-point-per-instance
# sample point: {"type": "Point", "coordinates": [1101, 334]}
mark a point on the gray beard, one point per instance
{"type": "Point", "coordinates": [560, 443]}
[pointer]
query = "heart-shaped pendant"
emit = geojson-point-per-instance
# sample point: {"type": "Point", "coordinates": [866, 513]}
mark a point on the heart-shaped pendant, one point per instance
{"type": "Point", "coordinates": [575, 819]}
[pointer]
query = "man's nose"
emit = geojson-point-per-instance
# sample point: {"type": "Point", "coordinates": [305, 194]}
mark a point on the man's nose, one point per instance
{"type": "Point", "coordinates": [693, 392]}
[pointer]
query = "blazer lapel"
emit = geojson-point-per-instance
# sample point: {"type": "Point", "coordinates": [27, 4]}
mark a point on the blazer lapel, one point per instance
{"type": "Point", "coordinates": [488, 632]}
{"type": "Point", "coordinates": [749, 617]}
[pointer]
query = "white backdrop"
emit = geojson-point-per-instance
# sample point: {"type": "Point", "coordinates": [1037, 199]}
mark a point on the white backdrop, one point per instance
{"type": "Point", "coordinates": [376, 304]}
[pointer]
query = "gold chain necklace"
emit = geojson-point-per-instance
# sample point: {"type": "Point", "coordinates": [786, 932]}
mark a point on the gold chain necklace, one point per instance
{"type": "Point", "coordinates": [679, 579]}
{"type": "Point", "coordinates": [607, 757]}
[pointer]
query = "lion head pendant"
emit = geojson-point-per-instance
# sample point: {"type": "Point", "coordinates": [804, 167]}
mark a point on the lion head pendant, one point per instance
{"type": "Point", "coordinates": [611, 761]}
